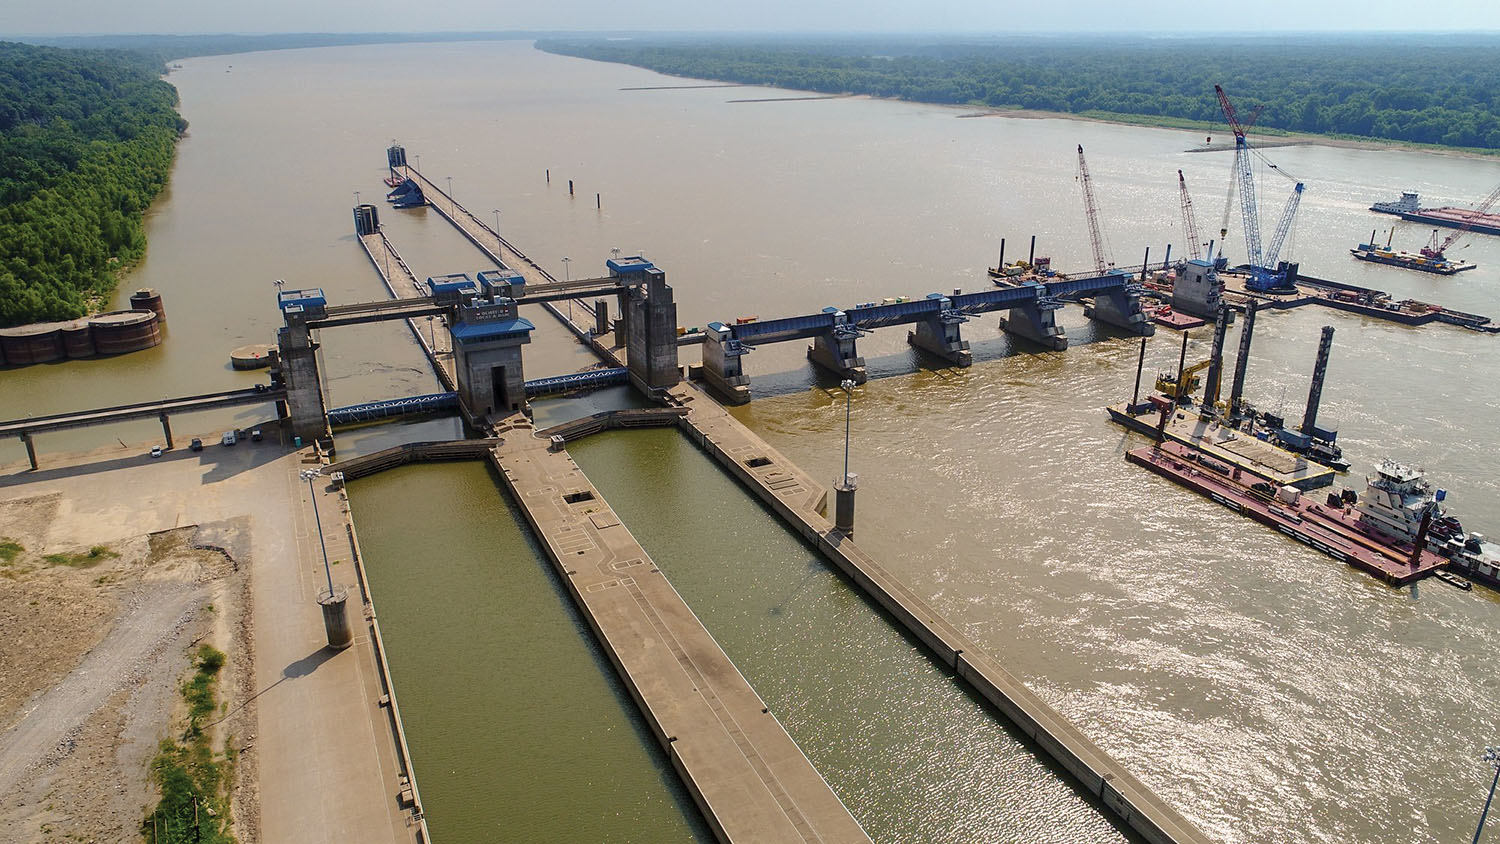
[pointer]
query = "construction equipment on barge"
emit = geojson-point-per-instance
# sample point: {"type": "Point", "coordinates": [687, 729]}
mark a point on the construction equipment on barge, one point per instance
{"type": "Point", "coordinates": [1429, 260]}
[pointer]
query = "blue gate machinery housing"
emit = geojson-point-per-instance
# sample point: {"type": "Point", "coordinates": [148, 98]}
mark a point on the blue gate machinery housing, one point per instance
{"type": "Point", "coordinates": [444, 402]}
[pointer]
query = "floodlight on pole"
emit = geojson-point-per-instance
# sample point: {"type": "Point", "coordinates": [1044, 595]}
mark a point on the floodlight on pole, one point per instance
{"type": "Point", "coordinates": [848, 387]}
{"type": "Point", "coordinates": [308, 475]}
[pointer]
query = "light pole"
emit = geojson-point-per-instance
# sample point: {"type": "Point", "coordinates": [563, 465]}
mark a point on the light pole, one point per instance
{"type": "Point", "coordinates": [568, 276]}
{"type": "Point", "coordinates": [419, 162]}
{"type": "Point", "coordinates": [1492, 758]}
{"type": "Point", "coordinates": [308, 475]}
{"type": "Point", "coordinates": [843, 491]}
{"type": "Point", "coordinates": [451, 200]}
{"type": "Point", "coordinates": [848, 387]}
{"type": "Point", "coordinates": [497, 223]}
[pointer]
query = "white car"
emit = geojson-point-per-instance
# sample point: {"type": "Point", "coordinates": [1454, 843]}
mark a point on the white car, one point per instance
{"type": "Point", "coordinates": [155, 451]}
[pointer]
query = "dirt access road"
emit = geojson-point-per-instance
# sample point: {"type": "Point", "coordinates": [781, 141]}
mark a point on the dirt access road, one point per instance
{"type": "Point", "coordinates": [98, 644]}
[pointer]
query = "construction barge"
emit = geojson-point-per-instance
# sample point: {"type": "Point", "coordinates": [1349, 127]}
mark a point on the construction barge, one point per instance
{"type": "Point", "coordinates": [1251, 462]}
{"type": "Point", "coordinates": [1408, 207]}
{"type": "Point", "coordinates": [1333, 530]}
{"type": "Point", "coordinates": [1429, 260]}
{"type": "Point", "coordinates": [1338, 295]}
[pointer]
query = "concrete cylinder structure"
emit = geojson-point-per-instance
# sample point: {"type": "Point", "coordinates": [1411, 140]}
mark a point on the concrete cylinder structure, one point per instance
{"type": "Point", "coordinates": [253, 356]}
{"type": "Point", "coordinates": [147, 299]}
{"type": "Point", "coordinates": [336, 618]}
{"type": "Point", "coordinates": [78, 339]}
{"type": "Point", "coordinates": [125, 331]}
{"type": "Point", "coordinates": [843, 503]}
{"type": "Point", "coordinates": [36, 343]}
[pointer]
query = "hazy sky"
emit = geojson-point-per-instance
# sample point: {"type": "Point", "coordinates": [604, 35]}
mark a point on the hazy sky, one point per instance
{"type": "Point", "coordinates": [39, 17]}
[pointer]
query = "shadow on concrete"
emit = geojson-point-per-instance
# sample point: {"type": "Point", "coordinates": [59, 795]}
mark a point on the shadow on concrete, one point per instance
{"type": "Point", "coordinates": [301, 668]}
{"type": "Point", "coordinates": [219, 469]}
{"type": "Point", "coordinates": [308, 664]}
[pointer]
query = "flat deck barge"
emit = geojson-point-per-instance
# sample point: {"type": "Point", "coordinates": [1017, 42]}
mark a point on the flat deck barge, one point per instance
{"type": "Point", "coordinates": [1334, 531]}
{"type": "Point", "coordinates": [1350, 298]}
{"type": "Point", "coordinates": [1243, 453]}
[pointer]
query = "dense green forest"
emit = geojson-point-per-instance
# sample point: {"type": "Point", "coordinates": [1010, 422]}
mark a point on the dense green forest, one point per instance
{"type": "Point", "coordinates": [86, 142]}
{"type": "Point", "coordinates": [1422, 90]}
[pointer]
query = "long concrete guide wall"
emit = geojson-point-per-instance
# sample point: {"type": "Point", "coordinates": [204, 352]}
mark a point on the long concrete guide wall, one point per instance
{"type": "Point", "coordinates": [797, 499]}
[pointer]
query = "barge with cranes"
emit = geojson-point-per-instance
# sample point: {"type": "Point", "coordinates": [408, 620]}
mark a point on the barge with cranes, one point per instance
{"type": "Point", "coordinates": [1429, 260]}
{"type": "Point", "coordinates": [1395, 529]}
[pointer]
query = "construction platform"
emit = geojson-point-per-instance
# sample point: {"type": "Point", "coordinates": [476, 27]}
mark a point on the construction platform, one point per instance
{"type": "Point", "coordinates": [1168, 318]}
{"type": "Point", "coordinates": [1334, 531]}
{"type": "Point", "coordinates": [1241, 451]}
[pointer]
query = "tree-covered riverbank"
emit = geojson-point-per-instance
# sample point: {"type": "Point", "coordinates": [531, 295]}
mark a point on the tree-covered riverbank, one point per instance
{"type": "Point", "coordinates": [86, 143]}
{"type": "Point", "coordinates": [1411, 90]}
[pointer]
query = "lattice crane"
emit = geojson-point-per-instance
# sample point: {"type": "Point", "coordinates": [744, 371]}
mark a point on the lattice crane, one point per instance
{"type": "Point", "coordinates": [1189, 221]}
{"type": "Point", "coordinates": [1284, 226]}
{"type": "Point", "coordinates": [1229, 197]}
{"type": "Point", "coordinates": [1244, 179]}
{"type": "Point", "coordinates": [1264, 273]}
{"type": "Point", "coordinates": [1435, 250]}
{"type": "Point", "coordinates": [1091, 211]}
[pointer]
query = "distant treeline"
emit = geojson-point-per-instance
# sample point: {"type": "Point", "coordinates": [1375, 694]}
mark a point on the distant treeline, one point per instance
{"type": "Point", "coordinates": [1423, 90]}
{"type": "Point", "coordinates": [86, 141]}
{"type": "Point", "coordinates": [169, 47]}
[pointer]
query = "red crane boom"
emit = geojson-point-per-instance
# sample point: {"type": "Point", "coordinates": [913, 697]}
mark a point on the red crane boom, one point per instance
{"type": "Point", "coordinates": [1189, 222]}
{"type": "Point", "coordinates": [1091, 210]}
{"type": "Point", "coordinates": [1436, 250]}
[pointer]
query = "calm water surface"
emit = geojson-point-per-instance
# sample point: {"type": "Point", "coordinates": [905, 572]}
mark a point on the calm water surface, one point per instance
{"type": "Point", "coordinates": [1269, 693]}
{"type": "Point", "coordinates": [518, 728]}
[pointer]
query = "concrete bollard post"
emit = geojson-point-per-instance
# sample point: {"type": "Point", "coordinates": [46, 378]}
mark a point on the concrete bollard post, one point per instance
{"type": "Point", "coordinates": [336, 617]}
{"type": "Point", "coordinates": [843, 504]}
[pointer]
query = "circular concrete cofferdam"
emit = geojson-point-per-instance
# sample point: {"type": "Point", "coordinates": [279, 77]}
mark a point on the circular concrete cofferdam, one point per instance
{"type": "Point", "coordinates": [78, 339]}
{"type": "Point", "coordinates": [147, 299]}
{"type": "Point", "coordinates": [36, 343]}
{"type": "Point", "coordinates": [119, 332]}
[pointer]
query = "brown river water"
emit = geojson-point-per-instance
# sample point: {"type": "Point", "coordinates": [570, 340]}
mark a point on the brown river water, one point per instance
{"type": "Point", "coordinates": [1269, 693]}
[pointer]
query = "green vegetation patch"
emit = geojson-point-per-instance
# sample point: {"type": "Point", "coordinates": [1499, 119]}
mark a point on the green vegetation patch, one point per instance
{"type": "Point", "coordinates": [1430, 90]}
{"type": "Point", "coordinates": [83, 559]}
{"type": "Point", "coordinates": [86, 142]}
{"type": "Point", "coordinates": [193, 779]}
{"type": "Point", "coordinates": [9, 550]}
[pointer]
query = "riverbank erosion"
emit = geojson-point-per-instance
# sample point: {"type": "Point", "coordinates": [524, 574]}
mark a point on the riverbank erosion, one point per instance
{"type": "Point", "coordinates": [127, 563]}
